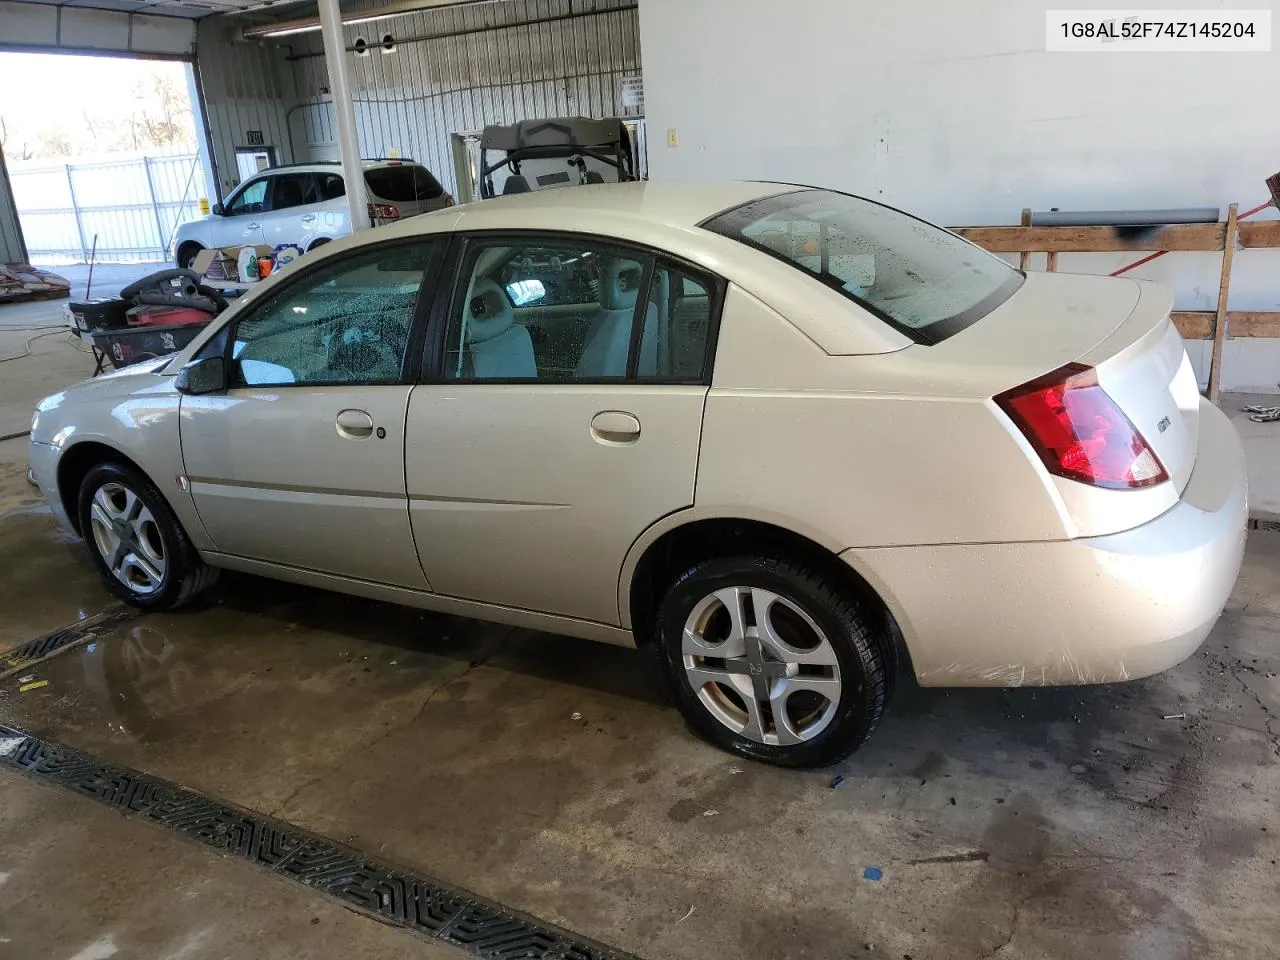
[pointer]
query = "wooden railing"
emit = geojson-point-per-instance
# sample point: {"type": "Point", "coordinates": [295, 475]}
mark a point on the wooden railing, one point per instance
{"type": "Point", "coordinates": [1227, 236]}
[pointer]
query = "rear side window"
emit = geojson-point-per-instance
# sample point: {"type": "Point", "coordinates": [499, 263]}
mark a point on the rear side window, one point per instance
{"type": "Point", "coordinates": [403, 183]}
{"type": "Point", "coordinates": [920, 279]}
{"type": "Point", "coordinates": [331, 186]}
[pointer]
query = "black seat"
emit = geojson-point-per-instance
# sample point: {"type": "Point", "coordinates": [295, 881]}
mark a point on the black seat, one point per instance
{"type": "Point", "coordinates": [288, 194]}
{"type": "Point", "coordinates": [594, 176]}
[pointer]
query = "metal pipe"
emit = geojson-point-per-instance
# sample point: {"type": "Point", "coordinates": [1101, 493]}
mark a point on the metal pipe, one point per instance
{"type": "Point", "coordinates": [344, 113]}
{"type": "Point", "coordinates": [494, 27]}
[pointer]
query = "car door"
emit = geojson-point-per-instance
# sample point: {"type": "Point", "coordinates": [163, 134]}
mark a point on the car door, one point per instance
{"type": "Point", "coordinates": [241, 222]}
{"type": "Point", "coordinates": [564, 419]}
{"type": "Point", "coordinates": [301, 461]}
{"type": "Point", "coordinates": [294, 209]}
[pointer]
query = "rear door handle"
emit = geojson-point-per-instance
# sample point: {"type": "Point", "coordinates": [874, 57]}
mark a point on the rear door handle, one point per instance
{"type": "Point", "coordinates": [309, 218]}
{"type": "Point", "coordinates": [615, 427]}
{"type": "Point", "coordinates": [254, 226]}
{"type": "Point", "coordinates": [354, 425]}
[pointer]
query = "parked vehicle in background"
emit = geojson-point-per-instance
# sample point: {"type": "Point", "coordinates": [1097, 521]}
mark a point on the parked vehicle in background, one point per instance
{"type": "Point", "coordinates": [305, 205]}
{"type": "Point", "coordinates": [547, 154]}
{"type": "Point", "coordinates": [799, 440]}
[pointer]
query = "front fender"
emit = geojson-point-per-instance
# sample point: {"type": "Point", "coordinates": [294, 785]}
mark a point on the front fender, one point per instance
{"type": "Point", "coordinates": [141, 425]}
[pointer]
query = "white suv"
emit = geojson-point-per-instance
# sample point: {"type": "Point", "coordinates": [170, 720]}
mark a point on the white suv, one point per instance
{"type": "Point", "coordinates": [305, 204]}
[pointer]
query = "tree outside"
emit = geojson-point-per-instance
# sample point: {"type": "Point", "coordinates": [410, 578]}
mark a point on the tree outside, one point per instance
{"type": "Point", "coordinates": [91, 106]}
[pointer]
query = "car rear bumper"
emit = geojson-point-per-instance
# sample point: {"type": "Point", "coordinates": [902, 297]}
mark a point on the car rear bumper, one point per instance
{"type": "Point", "coordinates": [1093, 610]}
{"type": "Point", "coordinates": [43, 460]}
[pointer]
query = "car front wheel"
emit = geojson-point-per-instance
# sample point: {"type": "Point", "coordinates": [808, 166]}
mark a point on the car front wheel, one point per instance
{"type": "Point", "coordinates": [136, 542]}
{"type": "Point", "coordinates": [770, 660]}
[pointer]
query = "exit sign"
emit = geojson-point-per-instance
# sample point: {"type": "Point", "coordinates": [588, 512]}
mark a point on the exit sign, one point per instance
{"type": "Point", "coordinates": [254, 138]}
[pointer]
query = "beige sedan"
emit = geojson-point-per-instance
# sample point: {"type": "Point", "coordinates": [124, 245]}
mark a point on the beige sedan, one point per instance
{"type": "Point", "coordinates": [800, 441]}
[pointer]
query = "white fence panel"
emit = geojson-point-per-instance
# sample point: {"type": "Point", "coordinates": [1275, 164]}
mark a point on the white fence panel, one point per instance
{"type": "Point", "coordinates": [133, 206]}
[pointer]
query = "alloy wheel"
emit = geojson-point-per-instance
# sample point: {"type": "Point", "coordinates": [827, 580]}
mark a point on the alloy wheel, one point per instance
{"type": "Point", "coordinates": [761, 666]}
{"type": "Point", "coordinates": [128, 538]}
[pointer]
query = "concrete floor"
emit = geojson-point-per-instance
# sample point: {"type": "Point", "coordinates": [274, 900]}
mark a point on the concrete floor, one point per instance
{"type": "Point", "coordinates": [1060, 823]}
{"type": "Point", "coordinates": [553, 775]}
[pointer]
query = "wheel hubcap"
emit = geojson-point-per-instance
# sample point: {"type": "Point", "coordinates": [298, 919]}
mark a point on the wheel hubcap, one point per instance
{"type": "Point", "coordinates": [128, 538]}
{"type": "Point", "coordinates": [761, 666]}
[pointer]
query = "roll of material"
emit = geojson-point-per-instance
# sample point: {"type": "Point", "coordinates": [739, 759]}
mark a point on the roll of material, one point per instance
{"type": "Point", "coordinates": [1122, 218]}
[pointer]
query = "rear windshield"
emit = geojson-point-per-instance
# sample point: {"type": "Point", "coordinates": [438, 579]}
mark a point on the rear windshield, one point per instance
{"type": "Point", "coordinates": [918, 278]}
{"type": "Point", "coordinates": [404, 183]}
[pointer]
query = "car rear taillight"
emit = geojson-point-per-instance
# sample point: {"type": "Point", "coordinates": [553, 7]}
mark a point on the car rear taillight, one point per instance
{"type": "Point", "coordinates": [1079, 432]}
{"type": "Point", "coordinates": [383, 211]}
{"type": "Point", "coordinates": [448, 200]}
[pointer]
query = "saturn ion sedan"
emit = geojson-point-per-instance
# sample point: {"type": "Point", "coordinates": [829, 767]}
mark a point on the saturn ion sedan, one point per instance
{"type": "Point", "coordinates": [797, 441]}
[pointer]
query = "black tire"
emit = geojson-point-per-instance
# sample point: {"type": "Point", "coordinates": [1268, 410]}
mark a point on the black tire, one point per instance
{"type": "Point", "coordinates": [319, 243]}
{"type": "Point", "coordinates": [853, 628]}
{"type": "Point", "coordinates": [185, 575]}
{"type": "Point", "coordinates": [186, 253]}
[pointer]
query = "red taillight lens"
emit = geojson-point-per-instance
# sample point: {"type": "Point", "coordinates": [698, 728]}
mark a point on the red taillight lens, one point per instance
{"type": "Point", "coordinates": [1079, 431]}
{"type": "Point", "coordinates": [383, 211]}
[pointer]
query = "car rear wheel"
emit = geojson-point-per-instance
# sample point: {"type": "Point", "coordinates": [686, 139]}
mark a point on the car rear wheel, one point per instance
{"type": "Point", "coordinates": [770, 660]}
{"type": "Point", "coordinates": [136, 542]}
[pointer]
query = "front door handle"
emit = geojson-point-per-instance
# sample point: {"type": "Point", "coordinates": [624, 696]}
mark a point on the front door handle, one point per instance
{"type": "Point", "coordinates": [615, 427]}
{"type": "Point", "coordinates": [355, 425]}
{"type": "Point", "coordinates": [254, 226]}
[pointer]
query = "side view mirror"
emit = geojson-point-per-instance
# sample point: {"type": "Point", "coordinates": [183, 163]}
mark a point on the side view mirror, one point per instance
{"type": "Point", "coordinates": [217, 210]}
{"type": "Point", "coordinates": [202, 376]}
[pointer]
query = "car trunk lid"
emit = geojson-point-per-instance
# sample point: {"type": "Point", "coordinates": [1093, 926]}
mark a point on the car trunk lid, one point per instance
{"type": "Point", "coordinates": [1122, 329]}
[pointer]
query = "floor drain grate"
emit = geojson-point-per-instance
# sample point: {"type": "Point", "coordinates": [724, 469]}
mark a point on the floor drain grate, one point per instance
{"type": "Point", "coordinates": [42, 648]}
{"type": "Point", "coordinates": [1256, 523]}
{"type": "Point", "coordinates": [390, 894]}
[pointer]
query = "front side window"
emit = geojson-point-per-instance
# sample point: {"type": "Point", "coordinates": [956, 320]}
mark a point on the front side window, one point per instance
{"type": "Point", "coordinates": [921, 279]}
{"type": "Point", "coordinates": [348, 321]}
{"type": "Point", "coordinates": [249, 200]}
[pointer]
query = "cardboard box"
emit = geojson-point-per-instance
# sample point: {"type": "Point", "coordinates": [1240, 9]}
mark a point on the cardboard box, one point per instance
{"type": "Point", "coordinates": [222, 262]}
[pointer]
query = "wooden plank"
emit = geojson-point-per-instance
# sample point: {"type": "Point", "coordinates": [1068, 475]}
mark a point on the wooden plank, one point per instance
{"type": "Point", "coordinates": [1180, 236]}
{"type": "Point", "coordinates": [1024, 261]}
{"type": "Point", "coordinates": [1260, 235]}
{"type": "Point", "coordinates": [1051, 262]}
{"type": "Point", "coordinates": [1224, 290]}
{"type": "Point", "coordinates": [1198, 324]}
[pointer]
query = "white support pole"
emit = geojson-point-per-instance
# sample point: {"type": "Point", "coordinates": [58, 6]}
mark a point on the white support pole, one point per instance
{"type": "Point", "coordinates": [344, 113]}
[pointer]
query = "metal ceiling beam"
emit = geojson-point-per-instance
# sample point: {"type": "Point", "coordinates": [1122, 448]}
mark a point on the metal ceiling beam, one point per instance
{"type": "Point", "coordinates": [397, 8]}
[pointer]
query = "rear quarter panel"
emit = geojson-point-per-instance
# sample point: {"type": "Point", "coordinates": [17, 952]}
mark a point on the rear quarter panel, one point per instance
{"type": "Point", "coordinates": [871, 451]}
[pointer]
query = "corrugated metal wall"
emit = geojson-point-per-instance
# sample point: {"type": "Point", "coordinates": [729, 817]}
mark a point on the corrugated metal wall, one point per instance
{"type": "Point", "coordinates": [456, 69]}
{"type": "Point", "coordinates": [12, 249]}
{"type": "Point", "coordinates": [247, 85]}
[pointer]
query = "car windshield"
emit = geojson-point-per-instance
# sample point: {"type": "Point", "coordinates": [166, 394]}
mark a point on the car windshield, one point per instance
{"type": "Point", "coordinates": [920, 279]}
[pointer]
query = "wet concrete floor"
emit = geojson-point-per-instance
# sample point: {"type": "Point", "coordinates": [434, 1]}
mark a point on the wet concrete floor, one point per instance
{"type": "Point", "coordinates": [553, 775]}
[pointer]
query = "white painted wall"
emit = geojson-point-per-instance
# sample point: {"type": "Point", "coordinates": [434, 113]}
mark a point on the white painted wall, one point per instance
{"type": "Point", "coordinates": [955, 111]}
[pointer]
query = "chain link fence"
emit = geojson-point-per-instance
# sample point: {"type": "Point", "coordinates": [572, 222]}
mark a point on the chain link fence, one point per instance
{"type": "Point", "coordinates": [132, 205]}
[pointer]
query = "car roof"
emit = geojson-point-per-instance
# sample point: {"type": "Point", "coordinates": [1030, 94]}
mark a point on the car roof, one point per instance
{"type": "Point", "coordinates": [676, 204]}
{"type": "Point", "coordinates": [333, 166]}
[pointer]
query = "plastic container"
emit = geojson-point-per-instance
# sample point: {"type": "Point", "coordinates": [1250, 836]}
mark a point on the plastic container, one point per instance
{"type": "Point", "coordinates": [135, 344]}
{"type": "Point", "coordinates": [107, 313]}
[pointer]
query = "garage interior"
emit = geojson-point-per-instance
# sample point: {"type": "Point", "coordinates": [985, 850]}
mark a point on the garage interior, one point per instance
{"type": "Point", "coordinates": [363, 779]}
